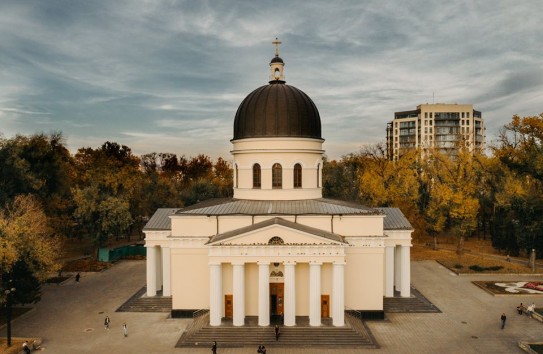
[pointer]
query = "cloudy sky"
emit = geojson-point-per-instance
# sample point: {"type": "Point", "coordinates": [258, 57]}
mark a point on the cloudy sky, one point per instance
{"type": "Point", "coordinates": [168, 76]}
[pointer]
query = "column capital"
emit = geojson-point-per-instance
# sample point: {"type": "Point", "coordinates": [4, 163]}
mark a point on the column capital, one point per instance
{"type": "Point", "coordinates": [238, 263]}
{"type": "Point", "coordinates": [342, 263]}
{"type": "Point", "coordinates": [214, 263]}
{"type": "Point", "coordinates": [263, 263]}
{"type": "Point", "coordinates": [313, 263]}
{"type": "Point", "coordinates": [289, 263]}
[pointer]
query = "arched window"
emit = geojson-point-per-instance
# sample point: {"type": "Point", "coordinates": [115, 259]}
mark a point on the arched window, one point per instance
{"type": "Point", "coordinates": [236, 176]}
{"type": "Point", "coordinates": [318, 174]}
{"type": "Point", "coordinates": [297, 176]}
{"type": "Point", "coordinates": [256, 176]}
{"type": "Point", "coordinates": [277, 176]}
{"type": "Point", "coordinates": [276, 240]}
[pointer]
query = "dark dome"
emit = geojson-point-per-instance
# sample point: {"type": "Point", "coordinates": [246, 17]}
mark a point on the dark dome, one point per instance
{"type": "Point", "coordinates": [276, 60]}
{"type": "Point", "coordinates": [277, 110]}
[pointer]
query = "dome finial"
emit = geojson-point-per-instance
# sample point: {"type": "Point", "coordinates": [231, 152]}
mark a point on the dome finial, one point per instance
{"type": "Point", "coordinates": [276, 42]}
{"type": "Point", "coordinates": [276, 65]}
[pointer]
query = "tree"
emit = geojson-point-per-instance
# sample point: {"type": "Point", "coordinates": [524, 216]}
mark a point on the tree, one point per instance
{"type": "Point", "coordinates": [29, 248]}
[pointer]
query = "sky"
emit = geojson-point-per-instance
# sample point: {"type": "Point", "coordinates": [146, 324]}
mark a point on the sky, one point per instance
{"type": "Point", "coordinates": [168, 76]}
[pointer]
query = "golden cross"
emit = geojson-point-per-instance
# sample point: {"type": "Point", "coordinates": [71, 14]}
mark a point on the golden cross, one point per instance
{"type": "Point", "coordinates": [276, 42]}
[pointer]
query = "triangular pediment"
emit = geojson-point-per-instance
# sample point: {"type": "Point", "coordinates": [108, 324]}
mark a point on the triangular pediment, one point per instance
{"type": "Point", "coordinates": [277, 231]}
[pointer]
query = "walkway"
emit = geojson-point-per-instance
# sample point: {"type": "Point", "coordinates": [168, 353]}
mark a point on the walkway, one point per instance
{"type": "Point", "coordinates": [70, 316]}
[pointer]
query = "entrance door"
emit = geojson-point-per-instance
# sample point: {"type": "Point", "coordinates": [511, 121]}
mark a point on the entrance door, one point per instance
{"type": "Point", "coordinates": [276, 298]}
{"type": "Point", "coordinates": [228, 306]}
{"type": "Point", "coordinates": [325, 305]}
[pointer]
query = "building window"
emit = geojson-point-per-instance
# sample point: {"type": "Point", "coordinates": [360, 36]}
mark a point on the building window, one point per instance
{"type": "Point", "coordinates": [425, 114]}
{"type": "Point", "coordinates": [431, 115]}
{"type": "Point", "coordinates": [257, 176]}
{"type": "Point", "coordinates": [276, 240]}
{"type": "Point", "coordinates": [467, 122]}
{"type": "Point", "coordinates": [277, 176]}
{"type": "Point", "coordinates": [236, 172]}
{"type": "Point", "coordinates": [297, 176]}
{"type": "Point", "coordinates": [319, 173]}
{"type": "Point", "coordinates": [462, 114]}
{"type": "Point", "coordinates": [467, 114]}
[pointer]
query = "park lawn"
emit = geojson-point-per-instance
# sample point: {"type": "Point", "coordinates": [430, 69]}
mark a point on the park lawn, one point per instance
{"type": "Point", "coordinates": [452, 261]}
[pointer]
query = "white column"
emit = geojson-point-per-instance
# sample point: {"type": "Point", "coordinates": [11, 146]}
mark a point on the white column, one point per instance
{"type": "Point", "coordinates": [239, 294]}
{"type": "Point", "coordinates": [389, 271]}
{"type": "Point", "coordinates": [166, 272]}
{"type": "Point", "coordinates": [151, 270]}
{"type": "Point", "coordinates": [290, 294]}
{"type": "Point", "coordinates": [263, 294]}
{"type": "Point", "coordinates": [215, 294]}
{"type": "Point", "coordinates": [338, 294]}
{"type": "Point", "coordinates": [397, 267]}
{"type": "Point", "coordinates": [315, 294]}
{"type": "Point", "coordinates": [406, 272]}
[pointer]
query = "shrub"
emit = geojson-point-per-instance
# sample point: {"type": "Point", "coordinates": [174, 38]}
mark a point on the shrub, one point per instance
{"type": "Point", "coordinates": [478, 268]}
{"type": "Point", "coordinates": [458, 266]}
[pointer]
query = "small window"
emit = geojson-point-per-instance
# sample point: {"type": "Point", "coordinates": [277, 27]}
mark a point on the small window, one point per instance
{"type": "Point", "coordinates": [463, 114]}
{"type": "Point", "coordinates": [256, 176]}
{"type": "Point", "coordinates": [425, 114]}
{"type": "Point", "coordinates": [467, 114]}
{"type": "Point", "coordinates": [297, 176]}
{"type": "Point", "coordinates": [276, 240]}
{"type": "Point", "coordinates": [236, 172]}
{"type": "Point", "coordinates": [431, 115]}
{"type": "Point", "coordinates": [319, 174]}
{"type": "Point", "coordinates": [277, 176]}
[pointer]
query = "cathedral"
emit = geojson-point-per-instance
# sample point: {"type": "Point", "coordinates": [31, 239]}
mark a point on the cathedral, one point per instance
{"type": "Point", "coordinates": [278, 248]}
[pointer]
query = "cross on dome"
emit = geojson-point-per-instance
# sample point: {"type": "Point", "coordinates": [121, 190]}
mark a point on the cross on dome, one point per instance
{"type": "Point", "coordinates": [276, 42]}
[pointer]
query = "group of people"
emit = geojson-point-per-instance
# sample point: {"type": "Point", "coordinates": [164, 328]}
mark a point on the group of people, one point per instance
{"type": "Point", "coordinates": [529, 310]}
{"type": "Point", "coordinates": [107, 321]}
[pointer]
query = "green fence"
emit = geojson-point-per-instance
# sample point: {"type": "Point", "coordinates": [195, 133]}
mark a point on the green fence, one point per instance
{"type": "Point", "coordinates": [114, 254]}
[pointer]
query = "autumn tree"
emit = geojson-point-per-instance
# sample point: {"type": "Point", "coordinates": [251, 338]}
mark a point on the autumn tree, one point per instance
{"type": "Point", "coordinates": [29, 248]}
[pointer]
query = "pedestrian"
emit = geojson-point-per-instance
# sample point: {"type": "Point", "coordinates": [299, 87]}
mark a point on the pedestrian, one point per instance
{"type": "Point", "coordinates": [125, 330]}
{"type": "Point", "coordinates": [520, 308]}
{"type": "Point", "coordinates": [106, 322]}
{"type": "Point", "coordinates": [77, 277]}
{"type": "Point", "coordinates": [26, 349]}
{"type": "Point", "coordinates": [503, 318]}
{"type": "Point", "coordinates": [214, 347]}
{"type": "Point", "coordinates": [276, 332]}
{"type": "Point", "coordinates": [530, 310]}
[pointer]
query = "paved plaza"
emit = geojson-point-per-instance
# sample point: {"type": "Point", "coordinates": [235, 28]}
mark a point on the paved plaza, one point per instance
{"type": "Point", "coordinates": [70, 318]}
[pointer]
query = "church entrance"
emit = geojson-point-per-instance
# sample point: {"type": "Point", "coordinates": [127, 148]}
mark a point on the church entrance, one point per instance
{"type": "Point", "coordinates": [276, 298]}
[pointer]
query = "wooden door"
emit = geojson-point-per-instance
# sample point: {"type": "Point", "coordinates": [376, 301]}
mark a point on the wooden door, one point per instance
{"type": "Point", "coordinates": [325, 305]}
{"type": "Point", "coordinates": [228, 306]}
{"type": "Point", "coordinates": [276, 298]}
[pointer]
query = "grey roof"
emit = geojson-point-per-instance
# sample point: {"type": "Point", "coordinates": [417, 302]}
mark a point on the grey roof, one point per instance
{"type": "Point", "coordinates": [160, 219]}
{"type": "Point", "coordinates": [395, 220]}
{"type": "Point", "coordinates": [277, 221]}
{"type": "Point", "coordinates": [322, 206]}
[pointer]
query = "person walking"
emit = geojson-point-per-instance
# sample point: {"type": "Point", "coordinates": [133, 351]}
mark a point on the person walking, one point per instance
{"type": "Point", "coordinates": [276, 332]}
{"type": "Point", "coordinates": [106, 322]}
{"type": "Point", "coordinates": [261, 349]}
{"type": "Point", "coordinates": [77, 277]}
{"type": "Point", "coordinates": [125, 330]}
{"type": "Point", "coordinates": [26, 348]}
{"type": "Point", "coordinates": [214, 347]}
{"type": "Point", "coordinates": [503, 318]}
{"type": "Point", "coordinates": [520, 308]}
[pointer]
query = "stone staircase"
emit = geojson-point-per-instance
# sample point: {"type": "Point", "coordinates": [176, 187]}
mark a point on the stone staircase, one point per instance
{"type": "Point", "coordinates": [299, 336]}
{"type": "Point", "coordinates": [417, 303]}
{"type": "Point", "coordinates": [140, 303]}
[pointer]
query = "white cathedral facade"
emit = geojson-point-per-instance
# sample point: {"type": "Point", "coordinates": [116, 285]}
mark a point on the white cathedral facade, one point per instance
{"type": "Point", "coordinates": [277, 248]}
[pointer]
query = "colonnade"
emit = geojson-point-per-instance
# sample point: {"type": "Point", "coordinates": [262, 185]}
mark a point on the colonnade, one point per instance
{"type": "Point", "coordinates": [158, 271]}
{"type": "Point", "coordinates": [289, 309]}
{"type": "Point", "coordinates": [398, 270]}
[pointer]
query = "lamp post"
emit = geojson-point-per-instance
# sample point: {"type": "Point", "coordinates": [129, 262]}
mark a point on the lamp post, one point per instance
{"type": "Point", "coordinates": [9, 293]}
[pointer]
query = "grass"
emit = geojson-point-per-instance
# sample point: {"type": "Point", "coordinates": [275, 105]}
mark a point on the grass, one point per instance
{"type": "Point", "coordinates": [462, 264]}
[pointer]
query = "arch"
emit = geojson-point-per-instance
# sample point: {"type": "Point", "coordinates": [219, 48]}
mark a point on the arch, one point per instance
{"type": "Point", "coordinates": [257, 176]}
{"type": "Point", "coordinates": [276, 240]}
{"type": "Point", "coordinates": [297, 176]}
{"type": "Point", "coordinates": [277, 176]}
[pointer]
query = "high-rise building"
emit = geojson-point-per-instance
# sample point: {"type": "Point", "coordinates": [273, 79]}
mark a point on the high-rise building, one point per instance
{"type": "Point", "coordinates": [445, 127]}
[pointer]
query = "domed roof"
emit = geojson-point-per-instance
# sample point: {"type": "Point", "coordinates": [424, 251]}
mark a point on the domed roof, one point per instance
{"type": "Point", "coordinates": [277, 110]}
{"type": "Point", "coordinates": [276, 60]}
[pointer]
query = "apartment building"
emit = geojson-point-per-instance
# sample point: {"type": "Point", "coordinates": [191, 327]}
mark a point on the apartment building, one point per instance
{"type": "Point", "coordinates": [442, 126]}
